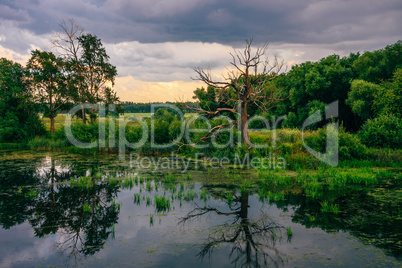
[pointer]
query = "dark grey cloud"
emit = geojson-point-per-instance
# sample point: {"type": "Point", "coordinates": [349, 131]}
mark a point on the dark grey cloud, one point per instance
{"type": "Point", "coordinates": [222, 21]}
{"type": "Point", "coordinates": [163, 40]}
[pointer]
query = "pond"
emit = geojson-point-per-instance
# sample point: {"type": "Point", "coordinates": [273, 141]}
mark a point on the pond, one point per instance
{"type": "Point", "coordinates": [99, 210]}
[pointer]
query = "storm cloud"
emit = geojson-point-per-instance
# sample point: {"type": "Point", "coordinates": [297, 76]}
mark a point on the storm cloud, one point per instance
{"type": "Point", "coordinates": [163, 40]}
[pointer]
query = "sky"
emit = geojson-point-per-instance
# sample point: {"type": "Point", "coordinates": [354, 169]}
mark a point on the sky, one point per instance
{"type": "Point", "coordinates": [156, 44]}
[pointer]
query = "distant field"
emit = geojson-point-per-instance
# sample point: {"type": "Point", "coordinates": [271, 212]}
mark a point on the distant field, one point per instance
{"type": "Point", "coordinates": [60, 118]}
{"type": "Point", "coordinates": [143, 115]}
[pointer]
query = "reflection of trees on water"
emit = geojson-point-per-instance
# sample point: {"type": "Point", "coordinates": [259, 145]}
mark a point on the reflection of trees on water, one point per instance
{"type": "Point", "coordinates": [252, 240]}
{"type": "Point", "coordinates": [371, 220]}
{"type": "Point", "coordinates": [58, 208]}
{"type": "Point", "coordinates": [15, 200]}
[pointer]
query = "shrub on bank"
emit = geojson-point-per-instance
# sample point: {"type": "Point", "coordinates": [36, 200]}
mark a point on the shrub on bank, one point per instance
{"type": "Point", "coordinates": [350, 145]}
{"type": "Point", "coordinates": [384, 131]}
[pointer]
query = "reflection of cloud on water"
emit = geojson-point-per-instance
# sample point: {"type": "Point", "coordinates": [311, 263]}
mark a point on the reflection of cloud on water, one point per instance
{"type": "Point", "coordinates": [14, 252]}
{"type": "Point", "coordinates": [48, 166]}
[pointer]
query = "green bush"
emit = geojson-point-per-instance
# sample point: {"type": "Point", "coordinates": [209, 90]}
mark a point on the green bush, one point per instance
{"type": "Point", "coordinates": [133, 133]}
{"type": "Point", "coordinates": [384, 131]}
{"type": "Point", "coordinates": [350, 145]}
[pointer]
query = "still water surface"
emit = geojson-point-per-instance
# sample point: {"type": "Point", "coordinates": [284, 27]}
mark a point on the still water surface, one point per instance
{"type": "Point", "coordinates": [51, 217]}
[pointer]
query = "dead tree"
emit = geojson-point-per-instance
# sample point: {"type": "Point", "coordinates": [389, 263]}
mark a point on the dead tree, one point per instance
{"type": "Point", "coordinates": [245, 83]}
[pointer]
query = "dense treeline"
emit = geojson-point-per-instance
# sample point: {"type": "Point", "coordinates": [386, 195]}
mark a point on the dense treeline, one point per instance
{"type": "Point", "coordinates": [361, 83]}
{"type": "Point", "coordinates": [133, 107]}
{"type": "Point", "coordinates": [367, 86]}
{"type": "Point", "coordinates": [18, 118]}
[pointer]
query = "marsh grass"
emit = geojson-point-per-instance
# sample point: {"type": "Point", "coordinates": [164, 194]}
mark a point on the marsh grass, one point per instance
{"type": "Point", "coordinates": [329, 208]}
{"type": "Point", "coordinates": [289, 231]}
{"type": "Point", "coordinates": [127, 183]}
{"type": "Point", "coordinates": [190, 195]}
{"type": "Point", "coordinates": [151, 219]}
{"type": "Point", "coordinates": [229, 197]}
{"type": "Point", "coordinates": [245, 186]}
{"type": "Point", "coordinates": [31, 193]}
{"type": "Point", "coordinates": [86, 208]}
{"type": "Point", "coordinates": [162, 204]}
{"type": "Point", "coordinates": [148, 201]}
{"type": "Point", "coordinates": [204, 195]}
{"type": "Point", "coordinates": [149, 186]}
{"type": "Point", "coordinates": [170, 178]}
{"type": "Point", "coordinates": [137, 198]}
{"type": "Point", "coordinates": [83, 182]}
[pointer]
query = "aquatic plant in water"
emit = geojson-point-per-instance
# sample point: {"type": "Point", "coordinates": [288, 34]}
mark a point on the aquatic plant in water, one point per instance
{"type": "Point", "coordinates": [162, 204]}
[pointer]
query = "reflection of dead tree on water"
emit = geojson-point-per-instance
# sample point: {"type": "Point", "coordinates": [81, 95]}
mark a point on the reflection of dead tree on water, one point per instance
{"type": "Point", "coordinates": [253, 241]}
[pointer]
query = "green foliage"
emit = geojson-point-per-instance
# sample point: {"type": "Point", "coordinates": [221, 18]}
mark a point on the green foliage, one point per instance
{"type": "Point", "coordinates": [361, 98]}
{"type": "Point", "coordinates": [350, 145]}
{"type": "Point", "coordinates": [383, 131]}
{"type": "Point", "coordinates": [47, 75]}
{"type": "Point", "coordinates": [379, 65]}
{"type": "Point", "coordinates": [369, 100]}
{"type": "Point", "coordinates": [167, 126]}
{"type": "Point", "coordinates": [312, 85]}
{"type": "Point", "coordinates": [96, 70]}
{"type": "Point", "coordinates": [389, 98]}
{"type": "Point", "coordinates": [18, 118]}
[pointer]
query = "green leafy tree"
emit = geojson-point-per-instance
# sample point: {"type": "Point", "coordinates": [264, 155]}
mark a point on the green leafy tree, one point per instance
{"type": "Point", "coordinates": [379, 65]}
{"type": "Point", "coordinates": [361, 98]}
{"type": "Point", "coordinates": [389, 99]}
{"type": "Point", "coordinates": [98, 74]}
{"type": "Point", "coordinates": [89, 72]}
{"type": "Point", "coordinates": [311, 85]}
{"type": "Point", "coordinates": [369, 100]}
{"type": "Point", "coordinates": [47, 78]}
{"type": "Point", "coordinates": [18, 118]}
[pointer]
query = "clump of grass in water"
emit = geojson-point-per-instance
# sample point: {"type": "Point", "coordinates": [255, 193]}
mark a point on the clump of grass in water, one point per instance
{"type": "Point", "coordinates": [32, 193]}
{"type": "Point", "coordinates": [170, 178]}
{"type": "Point", "coordinates": [188, 177]}
{"type": "Point", "coordinates": [113, 181]}
{"type": "Point", "coordinates": [245, 186]}
{"type": "Point", "coordinates": [181, 186]}
{"type": "Point", "coordinates": [127, 183]}
{"type": "Point", "coordinates": [86, 208]}
{"type": "Point", "coordinates": [151, 219]}
{"type": "Point", "coordinates": [162, 203]}
{"type": "Point", "coordinates": [204, 194]}
{"type": "Point", "coordinates": [149, 186]}
{"type": "Point", "coordinates": [289, 231]}
{"type": "Point", "coordinates": [113, 231]}
{"type": "Point", "coordinates": [311, 218]}
{"type": "Point", "coordinates": [84, 182]}
{"type": "Point", "coordinates": [137, 198]}
{"type": "Point", "coordinates": [190, 195]}
{"type": "Point", "coordinates": [148, 202]}
{"type": "Point", "coordinates": [329, 208]}
{"type": "Point", "coordinates": [229, 197]}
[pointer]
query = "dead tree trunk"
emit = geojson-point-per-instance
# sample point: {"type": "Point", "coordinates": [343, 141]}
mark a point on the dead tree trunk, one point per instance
{"type": "Point", "coordinates": [247, 82]}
